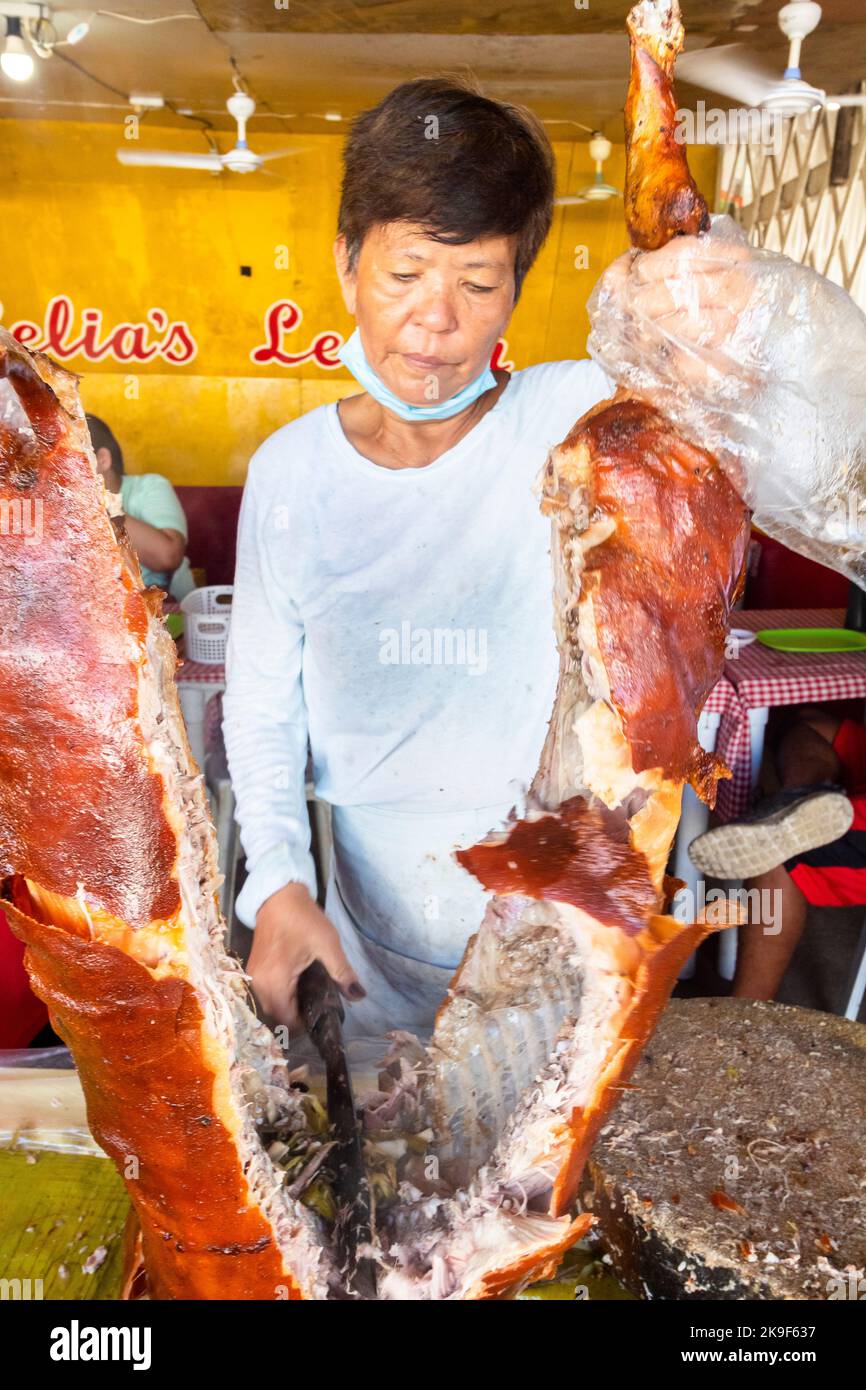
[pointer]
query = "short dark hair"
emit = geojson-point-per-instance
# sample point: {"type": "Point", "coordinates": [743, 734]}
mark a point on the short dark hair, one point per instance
{"type": "Point", "coordinates": [487, 171]}
{"type": "Point", "coordinates": [101, 437]}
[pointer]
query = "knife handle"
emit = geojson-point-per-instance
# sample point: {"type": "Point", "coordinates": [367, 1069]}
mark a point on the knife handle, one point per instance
{"type": "Point", "coordinates": [318, 997]}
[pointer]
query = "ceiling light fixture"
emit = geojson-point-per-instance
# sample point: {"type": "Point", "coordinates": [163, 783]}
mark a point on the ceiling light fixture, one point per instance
{"type": "Point", "coordinates": [16, 60]}
{"type": "Point", "coordinates": [30, 31]}
{"type": "Point", "coordinates": [79, 31]}
{"type": "Point", "coordinates": [599, 191]}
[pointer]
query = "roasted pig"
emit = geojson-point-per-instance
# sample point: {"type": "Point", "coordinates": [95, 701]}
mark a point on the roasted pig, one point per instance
{"type": "Point", "coordinates": [476, 1141]}
{"type": "Point", "coordinates": [575, 958]}
{"type": "Point", "coordinates": [110, 857]}
{"type": "Point", "coordinates": [661, 198]}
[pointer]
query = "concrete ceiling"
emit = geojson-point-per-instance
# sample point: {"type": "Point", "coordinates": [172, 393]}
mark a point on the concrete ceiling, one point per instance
{"type": "Point", "coordinates": [316, 56]}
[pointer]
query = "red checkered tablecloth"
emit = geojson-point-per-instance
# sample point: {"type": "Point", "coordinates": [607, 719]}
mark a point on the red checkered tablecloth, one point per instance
{"type": "Point", "coordinates": [198, 671]}
{"type": "Point", "coordinates": [200, 687]}
{"type": "Point", "coordinates": [721, 699]}
{"type": "Point", "coordinates": [194, 671]}
{"type": "Point", "coordinates": [763, 679]}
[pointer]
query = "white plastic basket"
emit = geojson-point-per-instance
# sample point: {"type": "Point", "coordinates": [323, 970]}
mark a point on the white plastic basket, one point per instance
{"type": "Point", "coordinates": [207, 613]}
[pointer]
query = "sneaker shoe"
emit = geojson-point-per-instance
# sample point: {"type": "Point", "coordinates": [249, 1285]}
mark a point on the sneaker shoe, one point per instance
{"type": "Point", "coordinates": [781, 827]}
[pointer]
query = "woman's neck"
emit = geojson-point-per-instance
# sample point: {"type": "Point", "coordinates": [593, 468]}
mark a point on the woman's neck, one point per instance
{"type": "Point", "coordinates": [387, 440]}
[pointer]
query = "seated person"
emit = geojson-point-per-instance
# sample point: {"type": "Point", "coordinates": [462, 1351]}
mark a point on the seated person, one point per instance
{"type": "Point", "coordinates": [155, 520]}
{"type": "Point", "coordinates": [806, 844]}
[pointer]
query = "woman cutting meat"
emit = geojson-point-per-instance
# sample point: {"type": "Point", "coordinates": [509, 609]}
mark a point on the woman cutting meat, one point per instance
{"type": "Point", "coordinates": [392, 594]}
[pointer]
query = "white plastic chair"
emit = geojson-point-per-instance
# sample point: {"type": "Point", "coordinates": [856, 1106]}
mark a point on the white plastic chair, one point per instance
{"type": "Point", "coordinates": [857, 979]}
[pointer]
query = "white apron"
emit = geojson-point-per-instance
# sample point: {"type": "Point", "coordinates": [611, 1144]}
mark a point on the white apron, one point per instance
{"type": "Point", "coordinates": [404, 908]}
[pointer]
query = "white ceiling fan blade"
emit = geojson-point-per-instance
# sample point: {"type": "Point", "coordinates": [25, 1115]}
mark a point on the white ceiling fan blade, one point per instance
{"type": "Point", "coordinates": [281, 154]}
{"type": "Point", "coordinates": [569, 200]}
{"type": "Point", "coordinates": [848, 99]}
{"type": "Point", "coordinates": [729, 71]}
{"type": "Point", "coordinates": [170, 159]}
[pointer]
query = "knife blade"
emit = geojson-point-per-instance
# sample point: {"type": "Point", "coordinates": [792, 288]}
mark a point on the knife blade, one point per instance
{"type": "Point", "coordinates": [321, 1009]}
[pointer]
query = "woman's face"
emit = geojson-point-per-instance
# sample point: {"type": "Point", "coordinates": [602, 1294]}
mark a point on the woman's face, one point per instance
{"type": "Point", "coordinates": [429, 314]}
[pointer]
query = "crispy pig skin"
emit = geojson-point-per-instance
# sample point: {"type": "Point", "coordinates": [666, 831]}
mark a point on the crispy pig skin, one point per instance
{"type": "Point", "coordinates": [540, 1264]}
{"type": "Point", "coordinates": [581, 856]}
{"type": "Point", "coordinates": [665, 946]}
{"type": "Point", "coordinates": [137, 1047]}
{"type": "Point", "coordinates": [666, 566]}
{"type": "Point", "coordinates": [81, 809]}
{"type": "Point", "coordinates": [663, 584]}
{"type": "Point", "coordinates": [68, 683]}
{"type": "Point", "coordinates": [661, 197]}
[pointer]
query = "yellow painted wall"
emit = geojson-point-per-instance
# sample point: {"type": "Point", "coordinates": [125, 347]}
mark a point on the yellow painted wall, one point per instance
{"type": "Point", "coordinates": [124, 241]}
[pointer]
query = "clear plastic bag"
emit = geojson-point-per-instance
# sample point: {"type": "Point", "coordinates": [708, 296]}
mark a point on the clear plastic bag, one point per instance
{"type": "Point", "coordinates": [12, 412]}
{"type": "Point", "coordinates": [41, 1104]}
{"type": "Point", "coordinates": [771, 380]}
{"type": "Point", "coordinates": [40, 1058]}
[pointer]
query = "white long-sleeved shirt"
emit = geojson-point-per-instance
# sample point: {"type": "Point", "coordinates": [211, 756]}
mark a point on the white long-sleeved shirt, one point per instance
{"type": "Point", "coordinates": [401, 620]}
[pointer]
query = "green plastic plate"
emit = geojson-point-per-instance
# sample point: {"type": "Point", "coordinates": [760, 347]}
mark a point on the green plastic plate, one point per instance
{"type": "Point", "coordinates": [813, 639]}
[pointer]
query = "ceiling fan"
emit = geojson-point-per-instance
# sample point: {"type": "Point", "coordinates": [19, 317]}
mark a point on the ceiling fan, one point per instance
{"type": "Point", "coordinates": [238, 160]}
{"type": "Point", "coordinates": [731, 72]}
{"type": "Point", "coordinates": [598, 191]}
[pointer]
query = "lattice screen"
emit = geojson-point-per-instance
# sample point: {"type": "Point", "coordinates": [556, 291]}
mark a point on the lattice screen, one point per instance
{"type": "Point", "coordinates": [805, 194]}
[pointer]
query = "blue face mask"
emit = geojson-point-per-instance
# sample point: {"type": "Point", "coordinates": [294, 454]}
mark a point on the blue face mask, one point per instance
{"type": "Point", "coordinates": [353, 356]}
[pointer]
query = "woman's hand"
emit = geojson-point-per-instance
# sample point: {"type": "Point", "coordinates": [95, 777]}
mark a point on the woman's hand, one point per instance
{"type": "Point", "coordinates": [291, 932]}
{"type": "Point", "coordinates": [694, 290]}
{"type": "Point", "coordinates": [678, 314]}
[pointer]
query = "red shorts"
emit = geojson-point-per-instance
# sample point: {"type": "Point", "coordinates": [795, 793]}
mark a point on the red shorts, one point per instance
{"type": "Point", "coordinates": [22, 1015]}
{"type": "Point", "coordinates": [835, 875]}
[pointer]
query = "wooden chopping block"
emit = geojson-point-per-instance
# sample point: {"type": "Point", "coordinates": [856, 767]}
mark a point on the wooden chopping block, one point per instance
{"type": "Point", "coordinates": [737, 1167]}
